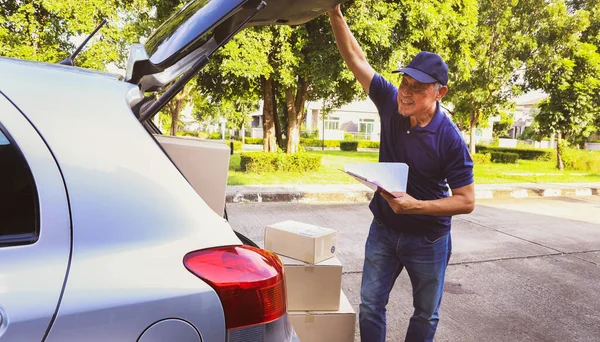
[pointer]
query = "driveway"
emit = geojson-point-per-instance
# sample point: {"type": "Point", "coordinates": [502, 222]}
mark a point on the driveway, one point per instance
{"type": "Point", "coordinates": [522, 269]}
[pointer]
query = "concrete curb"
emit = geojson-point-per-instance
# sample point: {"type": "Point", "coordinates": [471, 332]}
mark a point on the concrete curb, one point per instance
{"type": "Point", "coordinates": [356, 193]}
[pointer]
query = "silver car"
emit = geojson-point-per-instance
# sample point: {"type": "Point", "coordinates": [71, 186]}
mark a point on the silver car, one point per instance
{"type": "Point", "coordinates": [101, 236]}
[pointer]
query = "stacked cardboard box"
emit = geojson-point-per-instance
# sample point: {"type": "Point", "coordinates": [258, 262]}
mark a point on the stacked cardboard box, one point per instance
{"type": "Point", "coordinates": [317, 307]}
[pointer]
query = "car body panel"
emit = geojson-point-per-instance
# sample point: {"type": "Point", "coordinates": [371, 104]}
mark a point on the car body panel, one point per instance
{"type": "Point", "coordinates": [291, 12]}
{"type": "Point", "coordinates": [170, 330]}
{"type": "Point", "coordinates": [127, 270]}
{"type": "Point", "coordinates": [32, 276]}
{"type": "Point", "coordinates": [117, 216]}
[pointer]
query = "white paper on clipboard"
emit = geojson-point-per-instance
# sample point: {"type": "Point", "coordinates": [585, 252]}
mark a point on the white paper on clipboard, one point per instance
{"type": "Point", "coordinates": [388, 177]}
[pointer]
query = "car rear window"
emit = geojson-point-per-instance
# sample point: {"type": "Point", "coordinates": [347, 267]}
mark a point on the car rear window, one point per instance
{"type": "Point", "coordinates": [18, 198]}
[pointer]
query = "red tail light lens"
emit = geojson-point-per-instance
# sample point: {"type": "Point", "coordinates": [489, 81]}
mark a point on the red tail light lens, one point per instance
{"type": "Point", "coordinates": [248, 280]}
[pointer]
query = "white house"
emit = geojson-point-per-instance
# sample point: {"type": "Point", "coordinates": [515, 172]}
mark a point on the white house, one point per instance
{"type": "Point", "coordinates": [359, 118]}
{"type": "Point", "coordinates": [523, 115]}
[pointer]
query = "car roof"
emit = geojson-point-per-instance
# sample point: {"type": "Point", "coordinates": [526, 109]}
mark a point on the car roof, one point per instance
{"type": "Point", "coordinates": [33, 65]}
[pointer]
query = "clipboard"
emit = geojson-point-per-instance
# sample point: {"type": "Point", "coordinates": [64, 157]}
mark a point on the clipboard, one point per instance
{"type": "Point", "coordinates": [380, 177]}
{"type": "Point", "coordinates": [371, 184]}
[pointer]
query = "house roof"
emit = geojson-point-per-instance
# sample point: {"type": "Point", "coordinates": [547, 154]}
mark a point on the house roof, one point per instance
{"type": "Point", "coordinates": [530, 98]}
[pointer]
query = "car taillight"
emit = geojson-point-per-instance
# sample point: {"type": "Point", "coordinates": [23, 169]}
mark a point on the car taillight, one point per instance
{"type": "Point", "coordinates": [249, 281]}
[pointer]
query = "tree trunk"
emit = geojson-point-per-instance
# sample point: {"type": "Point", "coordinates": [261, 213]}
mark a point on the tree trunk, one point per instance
{"type": "Point", "coordinates": [301, 101]}
{"type": "Point", "coordinates": [174, 123]}
{"type": "Point", "coordinates": [472, 128]}
{"type": "Point", "coordinates": [278, 130]}
{"type": "Point", "coordinates": [293, 134]}
{"type": "Point", "coordinates": [269, 113]}
{"type": "Point", "coordinates": [175, 106]}
{"type": "Point", "coordinates": [295, 108]}
{"type": "Point", "coordinates": [559, 159]}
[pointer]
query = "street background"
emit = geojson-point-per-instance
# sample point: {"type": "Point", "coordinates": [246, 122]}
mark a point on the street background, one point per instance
{"type": "Point", "coordinates": [521, 270]}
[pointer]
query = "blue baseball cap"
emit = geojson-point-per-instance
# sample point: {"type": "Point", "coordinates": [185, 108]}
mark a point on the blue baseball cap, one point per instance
{"type": "Point", "coordinates": [427, 67]}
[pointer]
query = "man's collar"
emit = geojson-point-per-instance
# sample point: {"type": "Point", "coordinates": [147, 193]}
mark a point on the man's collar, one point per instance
{"type": "Point", "coordinates": [435, 122]}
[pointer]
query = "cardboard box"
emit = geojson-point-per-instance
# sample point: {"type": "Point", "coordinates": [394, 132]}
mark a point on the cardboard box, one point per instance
{"type": "Point", "coordinates": [325, 326]}
{"type": "Point", "coordinates": [205, 164]}
{"type": "Point", "coordinates": [305, 242]}
{"type": "Point", "coordinates": [312, 287]}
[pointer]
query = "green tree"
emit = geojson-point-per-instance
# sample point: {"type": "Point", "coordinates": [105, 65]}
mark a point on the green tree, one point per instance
{"type": "Point", "coordinates": [568, 70]}
{"type": "Point", "coordinates": [504, 40]}
{"type": "Point", "coordinates": [501, 128]}
{"type": "Point", "coordinates": [533, 131]}
{"type": "Point", "coordinates": [45, 30]}
{"type": "Point", "coordinates": [238, 113]}
{"type": "Point", "coordinates": [287, 66]}
{"type": "Point", "coordinates": [592, 36]}
{"type": "Point", "coordinates": [203, 106]}
{"type": "Point", "coordinates": [232, 80]}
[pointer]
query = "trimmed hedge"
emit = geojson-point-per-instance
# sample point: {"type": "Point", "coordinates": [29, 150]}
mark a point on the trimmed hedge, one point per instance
{"type": "Point", "coordinates": [348, 145]}
{"type": "Point", "coordinates": [504, 157]}
{"type": "Point", "coordinates": [253, 141]}
{"type": "Point", "coordinates": [368, 144]}
{"type": "Point", "coordinates": [336, 143]}
{"type": "Point", "coordinates": [187, 134]}
{"type": "Point", "coordinates": [522, 153]}
{"type": "Point", "coordinates": [258, 162]}
{"type": "Point", "coordinates": [312, 142]}
{"type": "Point", "coordinates": [215, 136]}
{"type": "Point", "coordinates": [482, 158]}
{"type": "Point", "coordinates": [237, 146]}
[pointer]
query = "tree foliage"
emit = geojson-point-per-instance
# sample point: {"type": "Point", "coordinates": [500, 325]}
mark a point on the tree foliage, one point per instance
{"type": "Point", "coordinates": [501, 128]}
{"type": "Point", "coordinates": [503, 39]}
{"type": "Point", "coordinates": [288, 66]}
{"type": "Point", "coordinates": [495, 49]}
{"type": "Point", "coordinates": [45, 30]}
{"type": "Point", "coordinates": [566, 66]}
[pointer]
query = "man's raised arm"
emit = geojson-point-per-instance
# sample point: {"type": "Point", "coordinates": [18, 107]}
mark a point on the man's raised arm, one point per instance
{"type": "Point", "coordinates": [349, 49]}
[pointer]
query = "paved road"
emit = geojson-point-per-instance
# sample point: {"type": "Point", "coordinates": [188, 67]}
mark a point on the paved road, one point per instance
{"type": "Point", "coordinates": [522, 269]}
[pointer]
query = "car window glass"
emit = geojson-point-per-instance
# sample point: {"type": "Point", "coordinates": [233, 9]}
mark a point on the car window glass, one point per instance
{"type": "Point", "coordinates": [18, 198]}
{"type": "Point", "coordinates": [185, 30]}
{"type": "Point", "coordinates": [3, 139]}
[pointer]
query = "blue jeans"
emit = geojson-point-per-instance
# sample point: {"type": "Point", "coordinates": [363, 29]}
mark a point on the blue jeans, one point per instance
{"type": "Point", "coordinates": [387, 252]}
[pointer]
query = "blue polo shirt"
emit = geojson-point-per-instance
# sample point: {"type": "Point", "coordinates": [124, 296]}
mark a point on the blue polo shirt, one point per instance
{"type": "Point", "coordinates": [436, 154]}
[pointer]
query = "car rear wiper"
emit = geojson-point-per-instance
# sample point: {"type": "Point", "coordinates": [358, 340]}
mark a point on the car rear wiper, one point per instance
{"type": "Point", "coordinates": [178, 85]}
{"type": "Point", "coordinates": [69, 60]}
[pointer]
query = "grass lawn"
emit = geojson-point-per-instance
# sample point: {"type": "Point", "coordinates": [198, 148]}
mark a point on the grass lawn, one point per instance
{"type": "Point", "coordinates": [524, 171]}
